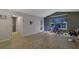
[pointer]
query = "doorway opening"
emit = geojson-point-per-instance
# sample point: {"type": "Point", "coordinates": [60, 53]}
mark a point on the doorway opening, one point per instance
{"type": "Point", "coordinates": [14, 23]}
{"type": "Point", "coordinates": [17, 24]}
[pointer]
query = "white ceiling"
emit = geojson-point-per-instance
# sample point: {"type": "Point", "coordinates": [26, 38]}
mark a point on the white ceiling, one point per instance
{"type": "Point", "coordinates": [43, 12]}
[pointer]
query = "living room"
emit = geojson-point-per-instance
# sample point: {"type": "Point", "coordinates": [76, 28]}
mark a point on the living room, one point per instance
{"type": "Point", "coordinates": [38, 28]}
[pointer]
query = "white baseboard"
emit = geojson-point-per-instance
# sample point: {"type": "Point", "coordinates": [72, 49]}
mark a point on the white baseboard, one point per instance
{"type": "Point", "coordinates": [31, 33]}
{"type": "Point", "coordinates": [4, 40]}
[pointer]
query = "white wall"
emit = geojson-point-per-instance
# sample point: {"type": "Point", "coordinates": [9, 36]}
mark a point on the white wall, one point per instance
{"type": "Point", "coordinates": [19, 24]}
{"type": "Point", "coordinates": [5, 25]}
{"type": "Point", "coordinates": [29, 29]}
{"type": "Point", "coordinates": [33, 28]}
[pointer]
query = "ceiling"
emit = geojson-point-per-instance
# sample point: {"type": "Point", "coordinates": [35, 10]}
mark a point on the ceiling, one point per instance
{"type": "Point", "coordinates": [43, 12]}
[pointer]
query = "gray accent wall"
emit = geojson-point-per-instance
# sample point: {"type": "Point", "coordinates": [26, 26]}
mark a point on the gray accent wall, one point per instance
{"type": "Point", "coordinates": [74, 19]}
